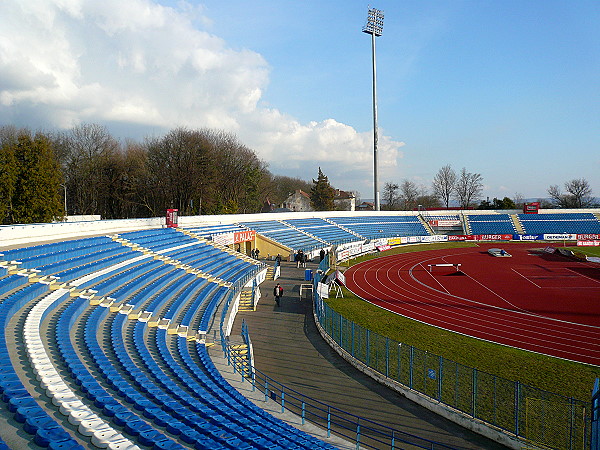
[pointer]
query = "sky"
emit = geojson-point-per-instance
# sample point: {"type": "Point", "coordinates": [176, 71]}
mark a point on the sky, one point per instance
{"type": "Point", "coordinates": [508, 89]}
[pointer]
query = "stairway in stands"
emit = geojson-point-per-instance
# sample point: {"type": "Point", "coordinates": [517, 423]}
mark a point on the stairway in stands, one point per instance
{"type": "Point", "coordinates": [246, 303]}
{"type": "Point", "coordinates": [517, 224]}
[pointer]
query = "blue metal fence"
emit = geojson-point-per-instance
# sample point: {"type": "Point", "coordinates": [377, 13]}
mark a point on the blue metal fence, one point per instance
{"type": "Point", "coordinates": [532, 414]}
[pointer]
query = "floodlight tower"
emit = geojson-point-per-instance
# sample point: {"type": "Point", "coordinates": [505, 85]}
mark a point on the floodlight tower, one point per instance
{"type": "Point", "coordinates": [374, 27]}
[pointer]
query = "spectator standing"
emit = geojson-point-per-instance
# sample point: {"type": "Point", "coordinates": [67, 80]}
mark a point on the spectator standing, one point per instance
{"type": "Point", "coordinates": [278, 293]}
{"type": "Point", "coordinates": [304, 259]}
{"type": "Point", "coordinates": [322, 255]}
{"type": "Point", "coordinates": [256, 252]}
{"type": "Point", "coordinates": [299, 258]}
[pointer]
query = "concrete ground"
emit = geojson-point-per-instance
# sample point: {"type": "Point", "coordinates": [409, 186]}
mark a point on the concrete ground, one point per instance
{"type": "Point", "coordinates": [288, 348]}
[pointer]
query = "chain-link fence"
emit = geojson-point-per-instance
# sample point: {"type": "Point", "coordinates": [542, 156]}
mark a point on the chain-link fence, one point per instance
{"type": "Point", "coordinates": [534, 415]}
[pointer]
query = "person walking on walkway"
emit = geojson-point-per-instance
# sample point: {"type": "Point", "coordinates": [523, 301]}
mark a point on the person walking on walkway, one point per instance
{"type": "Point", "coordinates": [277, 293]}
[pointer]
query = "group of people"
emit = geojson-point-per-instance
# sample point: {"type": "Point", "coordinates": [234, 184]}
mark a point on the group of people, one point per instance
{"type": "Point", "coordinates": [254, 253]}
{"type": "Point", "coordinates": [300, 257]}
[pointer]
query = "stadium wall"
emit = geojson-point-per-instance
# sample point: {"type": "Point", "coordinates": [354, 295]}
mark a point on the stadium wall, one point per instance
{"type": "Point", "coordinates": [35, 233]}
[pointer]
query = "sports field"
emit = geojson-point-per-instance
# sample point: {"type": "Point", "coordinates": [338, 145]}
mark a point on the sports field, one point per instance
{"type": "Point", "coordinates": [534, 301]}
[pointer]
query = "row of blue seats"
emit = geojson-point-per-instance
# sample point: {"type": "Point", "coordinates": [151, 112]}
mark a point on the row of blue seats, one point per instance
{"type": "Point", "coordinates": [44, 259]}
{"type": "Point", "coordinates": [373, 219]}
{"type": "Point", "coordinates": [493, 228]}
{"type": "Point", "coordinates": [488, 218]}
{"type": "Point", "coordinates": [24, 408]}
{"type": "Point", "coordinates": [557, 216]}
{"type": "Point", "coordinates": [553, 227]}
{"type": "Point", "coordinates": [54, 247]}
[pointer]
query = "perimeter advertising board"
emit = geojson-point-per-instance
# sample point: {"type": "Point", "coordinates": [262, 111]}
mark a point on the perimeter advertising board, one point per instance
{"type": "Point", "coordinates": [588, 237]}
{"type": "Point", "coordinates": [234, 238]}
{"type": "Point", "coordinates": [560, 237]}
{"type": "Point", "coordinates": [528, 237]}
{"type": "Point", "coordinates": [588, 243]}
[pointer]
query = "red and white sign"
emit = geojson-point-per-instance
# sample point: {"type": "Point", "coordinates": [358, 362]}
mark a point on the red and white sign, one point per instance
{"type": "Point", "coordinates": [243, 236]}
{"type": "Point", "coordinates": [494, 237]}
{"type": "Point", "coordinates": [588, 243]}
{"type": "Point", "coordinates": [588, 237]}
{"type": "Point", "coordinates": [383, 248]}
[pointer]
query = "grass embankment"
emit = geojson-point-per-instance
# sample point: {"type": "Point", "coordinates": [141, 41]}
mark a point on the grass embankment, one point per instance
{"type": "Point", "coordinates": [551, 374]}
{"type": "Point", "coordinates": [590, 251]}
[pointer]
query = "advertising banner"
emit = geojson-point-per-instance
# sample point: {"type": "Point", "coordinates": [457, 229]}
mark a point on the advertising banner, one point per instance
{"type": "Point", "coordinates": [243, 236]}
{"type": "Point", "coordinates": [396, 241]}
{"type": "Point", "coordinates": [434, 238]}
{"type": "Point", "coordinates": [379, 242]}
{"type": "Point", "coordinates": [458, 237]}
{"type": "Point", "coordinates": [528, 237]}
{"type": "Point", "coordinates": [588, 237]}
{"type": "Point", "coordinates": [560, 237]}
{"type": "Point", "coordinates": [383, 248]}
{"type": "Point", "coordinates": [588, 243]}
{"type": "Point", "coordinates": [494, 237]}
{"type": "Point", "coordinates": [223, 238]}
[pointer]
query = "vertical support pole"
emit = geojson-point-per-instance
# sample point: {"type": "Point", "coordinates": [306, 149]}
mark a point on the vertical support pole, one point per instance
{"type": "Point", "coordinates": [410, 367]}
{"type": "Point", "coordinates": [387, 357]}
{"type": "Point", "coordinates": [517, 406]}
{"type": "Point", "coordinates": [368, 347]}
{"type": "Point", "coordinates": [474, 394]}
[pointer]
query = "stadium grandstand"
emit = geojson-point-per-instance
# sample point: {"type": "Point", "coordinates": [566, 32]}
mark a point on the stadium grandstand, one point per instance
{"type": "Point", "coordinates": [108, 323]}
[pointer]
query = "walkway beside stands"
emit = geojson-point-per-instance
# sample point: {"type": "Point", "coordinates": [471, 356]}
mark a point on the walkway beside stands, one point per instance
{"type": "Point", "coordinates": [288, 348]}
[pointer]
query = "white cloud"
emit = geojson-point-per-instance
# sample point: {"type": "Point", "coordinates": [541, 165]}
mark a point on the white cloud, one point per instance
{"type": "Point", "coordinates": [63, 62]}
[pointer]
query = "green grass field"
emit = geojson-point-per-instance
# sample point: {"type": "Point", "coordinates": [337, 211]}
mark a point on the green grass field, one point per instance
{"type": "Point", "coordinates": [590, 251]}
{"type": "Point", "coordinates": [551, 374]}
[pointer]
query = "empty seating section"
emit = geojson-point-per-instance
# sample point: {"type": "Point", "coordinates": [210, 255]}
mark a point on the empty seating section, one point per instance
{"type": "Point", "coordinates": [117, 382]}
{"type": "Point", "coordinates": [210, 230]}
{"type": "Point", "coordinates": [130, 377]}
{"type": "Point", "coordinates": [574, 223]}
{"type": "Point", "coordinates": [327, 231]}
{"type": "Point", "coordinates": [286, 235]}
{"type": "Point", "coordinates": [491, 224]}
{"type": "Point", "coordinates": [374, 227]}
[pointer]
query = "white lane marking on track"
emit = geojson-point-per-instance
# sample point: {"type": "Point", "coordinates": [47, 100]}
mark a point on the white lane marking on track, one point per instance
{"type": "Point", "coordinates": [584, 276]}
{"type": "Point", "coordinates": [518, 273]}
{"type": "Point", "coordinates": [435, 279]}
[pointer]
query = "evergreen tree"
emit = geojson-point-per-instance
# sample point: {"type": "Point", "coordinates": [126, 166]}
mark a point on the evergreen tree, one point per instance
{"type": "Point", "coordinates": [8, 174]}
{"type": "Point", "coordinates": [322, 194]}
{"type": "Point", "coordinates": [38, 194]}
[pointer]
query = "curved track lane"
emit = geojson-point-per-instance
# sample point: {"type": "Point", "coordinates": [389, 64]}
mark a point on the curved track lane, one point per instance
{"type": "Point", "coordinates": [548, 305]}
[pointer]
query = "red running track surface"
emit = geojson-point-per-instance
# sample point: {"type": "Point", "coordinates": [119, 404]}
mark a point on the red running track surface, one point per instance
{"type": "Point", "coordinates": [534, 301]}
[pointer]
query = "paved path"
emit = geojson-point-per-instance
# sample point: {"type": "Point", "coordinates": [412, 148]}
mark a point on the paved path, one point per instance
{"type": "Point", "coordinates": [288, 348]}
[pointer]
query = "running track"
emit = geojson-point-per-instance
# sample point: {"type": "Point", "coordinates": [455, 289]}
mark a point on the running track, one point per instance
{"type": "Point", "coordinates": [543, 303]}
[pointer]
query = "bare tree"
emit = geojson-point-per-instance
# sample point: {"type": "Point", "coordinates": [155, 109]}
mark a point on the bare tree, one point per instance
{"type": "Point", "coordinates": [518, 200]}
{"type": "Point", "coordinates": [469, 187]}
{"type": "Point", "coordinates": [409, 194]}
{"type": "Point", "coordinates": [578, 195]}
{"type": "Point", "coordinates": [390, 196]}
{"type": "Point", "coordinates": [444, 184]}
{"type": "Point", "coordinates": [581, 192]}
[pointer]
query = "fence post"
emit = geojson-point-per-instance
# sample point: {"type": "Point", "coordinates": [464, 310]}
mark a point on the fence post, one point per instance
{"type": "Point", "coordinates": [358, 434]}
{"type": "Point", "coordinates": [368, 355]}
{"type": "Point", "coordinates": [410, 367]}
{"type": "Point", "coordinates": [387, 357]}
{"type": "Point", "coordinates": [352, 341]}
{"type": "Point", "coordinates": [282, 400]}
{"type": "Point", "coordinates": [440, 375]}
{"type": "Point", "coordinates": [474, 393]}
{"type": "Point", "coordinates": [329, 421]}
{"type": "Point", "coordinates": [303, 411]}
{"type": "Point", "coordinates": [517, 406]}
